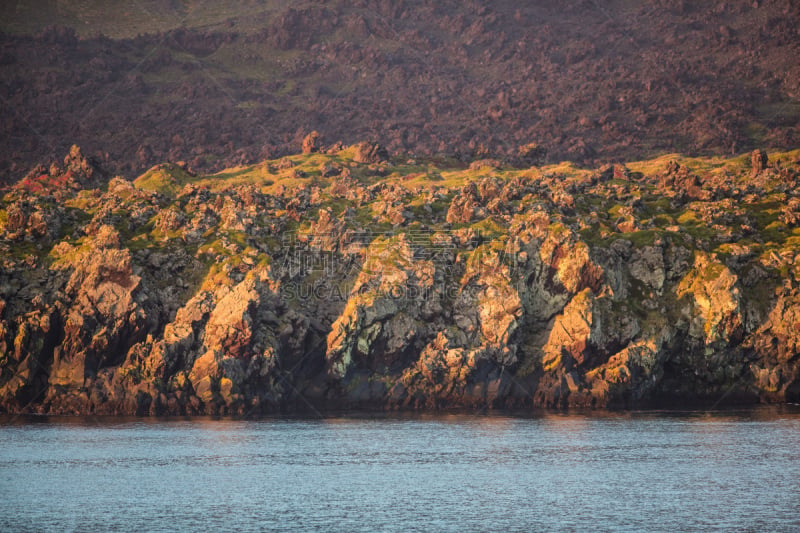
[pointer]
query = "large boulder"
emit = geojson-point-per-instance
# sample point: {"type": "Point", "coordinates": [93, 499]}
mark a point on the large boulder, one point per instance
{"type": "Point", "coordinates": [370, 153]}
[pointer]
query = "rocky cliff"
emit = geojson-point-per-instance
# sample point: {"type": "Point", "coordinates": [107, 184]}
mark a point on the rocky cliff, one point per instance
{"type": "Point", "coordinates": [344, 278]}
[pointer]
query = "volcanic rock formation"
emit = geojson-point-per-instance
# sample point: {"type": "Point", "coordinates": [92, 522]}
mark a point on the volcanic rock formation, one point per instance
{"type": "Point", "coordinates": [273, 287]}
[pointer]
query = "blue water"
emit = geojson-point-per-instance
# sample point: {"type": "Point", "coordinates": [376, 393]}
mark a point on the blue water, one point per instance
{"type": "Point", "coordinates": [652, 471]}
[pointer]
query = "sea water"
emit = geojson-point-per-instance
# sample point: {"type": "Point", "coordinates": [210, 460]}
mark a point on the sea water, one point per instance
{"type": "Point", "coordinates": [626, 471]}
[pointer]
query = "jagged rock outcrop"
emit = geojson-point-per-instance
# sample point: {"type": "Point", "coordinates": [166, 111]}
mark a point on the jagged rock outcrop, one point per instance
{"type": "Point", "coordinates": [370, 152]}
{"type": "Point", "coordinates": [103, 318]}
{"type": "Point", "coordinates": [777, 345]}
{"type": "Point", "coordinates": [311, 143]}
{"type": "Point", "coordinates": [391, 300]}
{"type": "Point", "coordinates": [183, 294]}
{"type": "Point", "coordinates": [758, 161]}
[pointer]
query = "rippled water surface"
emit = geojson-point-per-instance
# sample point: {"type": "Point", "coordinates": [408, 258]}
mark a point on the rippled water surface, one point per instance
{"type": "Point", "coordinates": [650, 471]}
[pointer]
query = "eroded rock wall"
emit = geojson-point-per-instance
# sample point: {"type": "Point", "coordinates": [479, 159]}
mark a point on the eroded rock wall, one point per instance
{"type": "Point", "coordinates": [505, 291]}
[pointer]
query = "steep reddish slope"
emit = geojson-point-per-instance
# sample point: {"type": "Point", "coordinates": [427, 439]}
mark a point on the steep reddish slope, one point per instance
{"type": "Point", "coordinates": [584, 81]}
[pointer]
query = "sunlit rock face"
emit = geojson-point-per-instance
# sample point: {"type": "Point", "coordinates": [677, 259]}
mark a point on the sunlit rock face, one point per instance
{"type": "Point", "coordinates": [395, 283]}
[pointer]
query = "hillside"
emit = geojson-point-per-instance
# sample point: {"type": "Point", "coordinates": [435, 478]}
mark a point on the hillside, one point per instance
{"type": "Point", "coordinates": [586, 82]}
{"type": "Point", "coordinates": [345, 277]}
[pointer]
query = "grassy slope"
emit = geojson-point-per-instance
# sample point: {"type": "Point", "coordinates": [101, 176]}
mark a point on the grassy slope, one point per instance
{"type": "Point", "coordinates": [596, 210]}
{"type": "Point", "coordinates": [121, 20]}
{"type": "Point", "coordinates": [655, 214]}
